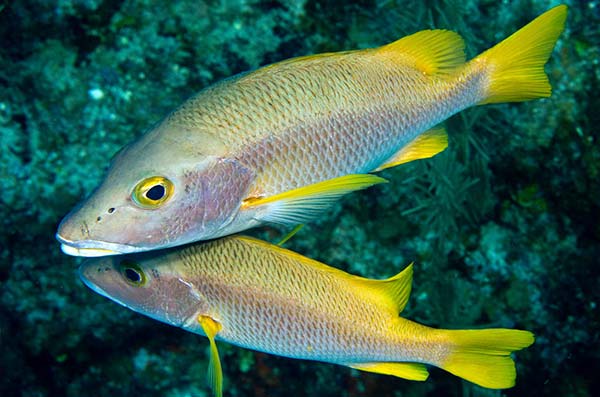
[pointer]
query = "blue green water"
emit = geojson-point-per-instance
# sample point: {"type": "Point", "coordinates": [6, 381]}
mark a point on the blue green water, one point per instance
{"type": "Point", "coordinates": [503, 226]}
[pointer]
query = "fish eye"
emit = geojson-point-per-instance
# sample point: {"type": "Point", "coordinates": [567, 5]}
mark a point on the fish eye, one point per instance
{"type": "Point", "coordinates": [133, 273]}
{"type": "Point", "coordinates": [152, 192]}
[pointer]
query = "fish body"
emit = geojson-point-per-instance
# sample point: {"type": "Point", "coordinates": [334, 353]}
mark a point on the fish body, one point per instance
{"type": "Point", "coordinates": [283, 142]}
{"type": "Point", "coordinates": [263, 297]}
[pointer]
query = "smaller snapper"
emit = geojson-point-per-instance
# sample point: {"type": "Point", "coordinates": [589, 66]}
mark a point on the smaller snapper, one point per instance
{"type": "Point", "coordinates": [262, 297]}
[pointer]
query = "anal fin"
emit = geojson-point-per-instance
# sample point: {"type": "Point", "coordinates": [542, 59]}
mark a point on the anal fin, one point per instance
{"type": "Point", "coordinates": [426, 145]}
{"type": "Point", "coordinates": [411, 371]}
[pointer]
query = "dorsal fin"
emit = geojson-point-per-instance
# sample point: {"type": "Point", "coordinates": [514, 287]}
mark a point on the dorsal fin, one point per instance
{"type": "Point", "coordinates": [426, 145]}
{"type": "Point", "coordinates": [394, 291]}
{"type": "Point", "coordinates": [430, 51]}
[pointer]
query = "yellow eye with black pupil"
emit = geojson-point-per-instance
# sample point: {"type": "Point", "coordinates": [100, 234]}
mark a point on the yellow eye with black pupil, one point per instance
{"type": "Point", "coordinates": [152, 192]}
{"type": "Point", "coordinates": [132, 273]}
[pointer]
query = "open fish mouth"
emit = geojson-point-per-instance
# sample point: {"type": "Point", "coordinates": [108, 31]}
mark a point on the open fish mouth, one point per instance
{"type": "Point", "coordinates": [91, 248]}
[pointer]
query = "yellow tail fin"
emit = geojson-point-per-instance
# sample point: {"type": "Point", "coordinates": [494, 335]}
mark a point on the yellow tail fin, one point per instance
{"type": "Point", "coordinates": [483, 356]}
{"type": "Point", "coordinates": [517, 63]}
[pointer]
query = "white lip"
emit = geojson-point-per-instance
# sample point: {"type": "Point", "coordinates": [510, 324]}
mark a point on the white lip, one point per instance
{"type": "Point", "coordinates": [87, 252]}
{"type": "Point", "coordinates": [89, 248]}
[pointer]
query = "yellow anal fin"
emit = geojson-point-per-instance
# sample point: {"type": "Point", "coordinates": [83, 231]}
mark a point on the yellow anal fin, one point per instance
{"type": "Point", "coordinates": [215, 372]}
{"type": "Point", "coordinates": [426, 145]}
{"type": "Point", "coordinates": [303, 204]}
{"type": "Point", "coordinates": [433, 52]}
{"type": "Point", "coordinates": [291, 234]}
{"type": "Point", "coordinates": [411, 371]}
{"type": "Point", "coordinates": [483, 356]}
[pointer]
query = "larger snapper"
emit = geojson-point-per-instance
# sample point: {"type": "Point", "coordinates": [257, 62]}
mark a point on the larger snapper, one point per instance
{"type": "Point", "coordinates": [260, 296]}
{"type": "Point", "coordinates": [281, 143]}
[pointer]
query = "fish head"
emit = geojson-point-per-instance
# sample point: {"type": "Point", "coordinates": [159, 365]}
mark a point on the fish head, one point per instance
{"type": "Point", "coordinates": [148, 284]}
{"type": "Point", "coordinates": [157, 193]}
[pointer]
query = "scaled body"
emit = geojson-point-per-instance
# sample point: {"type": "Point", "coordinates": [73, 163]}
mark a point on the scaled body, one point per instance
{"type": "Point", "coordinates": [281, 143]}
{"type": "Point", "coordinates": [262, 297]}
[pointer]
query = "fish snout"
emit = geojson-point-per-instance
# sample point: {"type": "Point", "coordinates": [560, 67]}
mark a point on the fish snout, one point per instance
{"type": "Point", "coordinates": [73, 228]}
{"type": "Point", "coordinates": [78, 237]}
{"type": "Point", "coordinates": [94, 272]}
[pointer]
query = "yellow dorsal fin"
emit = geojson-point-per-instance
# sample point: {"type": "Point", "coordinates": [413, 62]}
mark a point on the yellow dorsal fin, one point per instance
{"type": "Point", "coordinates": [391, 293]}
{"type": "Point", "coordinates": [430, 51]}
{"type": "Point", "coordinates": [394, 291]}
{"type": "Point", "coordinates": [215, 372]}
{"type": "Point", "coordinates": [426, 145]}
{"type": "Point", "coordinates": [411, 371]}
{"type": "Point", "coordinates": [303, 204]}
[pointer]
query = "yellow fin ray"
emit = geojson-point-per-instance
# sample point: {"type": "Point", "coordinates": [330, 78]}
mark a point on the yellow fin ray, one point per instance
{"type": "Point", "coordinates": [433, 52]}
{"type": "Point", "coordinates": [303, 204]}
{"type": "Point", "coordinates": [411, 371]}
{"type": "Point", "coordinates": [517, 63]}
{"type": "Point", "coordinates": [215, 372]}
{"type": "Point", "coordinates": [426, 145]}
{"type": "Point", "coordinates": [483, 356]}
{"type": "Point", "coordinates": [394, 291]}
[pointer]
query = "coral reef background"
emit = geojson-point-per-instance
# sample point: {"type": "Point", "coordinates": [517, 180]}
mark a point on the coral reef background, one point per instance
{"type": "Point", "coordinates": [503, 226]}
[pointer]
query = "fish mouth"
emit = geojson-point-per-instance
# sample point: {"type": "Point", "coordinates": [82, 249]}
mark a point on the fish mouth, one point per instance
{"type": "Point", "coordinates": [92, 248]}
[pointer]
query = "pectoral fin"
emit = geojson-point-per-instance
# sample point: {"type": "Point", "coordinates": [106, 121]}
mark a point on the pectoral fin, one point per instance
{"type": "Point", "coordinates": [411, 371]}
{"type": "Point", "coordinates": [215, 372]}
{"type": "Point", "coordinates": [304, 204]}
{"type": "Point", "coordinates": [426, 145]}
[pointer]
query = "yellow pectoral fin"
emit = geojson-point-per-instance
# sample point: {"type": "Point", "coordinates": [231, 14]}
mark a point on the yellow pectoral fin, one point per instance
{"type": "Point", "coordinates": [411, 371]}
{"type": "Point", "coordinates": [215, 372]}
{"type": "Point", "coordinates": [426, 145]}
{"type": "Point", "coordinates": [303, 204]}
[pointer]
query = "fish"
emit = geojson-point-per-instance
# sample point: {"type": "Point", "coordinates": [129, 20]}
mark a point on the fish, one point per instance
{"type": "Point", "coordinates": [281, 144]}
{"type": "Point", "coordinates": [263, 297]}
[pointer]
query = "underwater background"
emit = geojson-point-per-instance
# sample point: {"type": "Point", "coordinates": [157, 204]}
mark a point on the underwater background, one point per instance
{"type": "Point", "coordinates": [503, 226]}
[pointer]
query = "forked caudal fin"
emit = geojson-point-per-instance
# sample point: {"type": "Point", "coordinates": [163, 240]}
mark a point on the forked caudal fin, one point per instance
{"type": "Point", "coordinates": [516, 65]}
{"type": "Point", "coordinates": [483, 356]}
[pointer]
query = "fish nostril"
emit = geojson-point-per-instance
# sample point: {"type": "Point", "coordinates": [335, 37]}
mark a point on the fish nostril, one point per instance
{"type": "Point", "coordinates": [111, 210]}
{"type": "Point", "coordinates": [84, 229]}
{"type": "Point", "coordinates": [99, 219]}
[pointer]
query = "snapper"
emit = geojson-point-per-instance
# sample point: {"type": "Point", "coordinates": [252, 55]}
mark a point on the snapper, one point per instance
{"type": "Point", "coordinates": [263, 297]}
{"type": "Point", "coordinates": [282, 143]}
